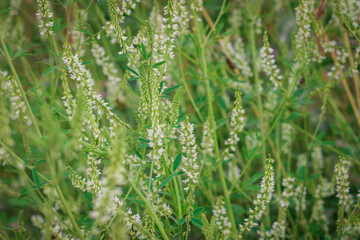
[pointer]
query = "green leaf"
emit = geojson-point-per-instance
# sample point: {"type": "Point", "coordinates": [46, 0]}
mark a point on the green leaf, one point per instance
{"type": "Point", "coordinates": [169, 178]}
{"type": "Point", "coordinates": [157, 65]}
{"type": "Point", "coordinates": [5, 10]}
{"type": "Point", "coordinates": [292, 116]}
{"type": "Point", "coordinates": [143, 145]}
{"type": "Point", "coordinates": [255, 177]}
{"type": "Point", "coordinates": [58, 27]}
{"type": "Point", "coordinates": [198, 210]}
{"type": "Point", "coordinates": [36, 177]}
{"type": "Point", "coordinates": [301, 172]}
{"type": "Point", "coordinates": [161, 86]}
{"type": "Point", "coordinates": [328, 143]}
{"type": "Point", "coordinates": [168, 90]}
{"type": "Point", "coordinates": [143, 140]}
{"type": "Point", "coordinates": [22, 53]}
{"type": "Point", "coordinates": [197, 222]}
{"type": "Point", "coordinates": [47, 71]}
{"type": "Point", "coordinates": [84, 31]}
{"type": "Point", "coordinates": [298, 93]}
{"type": "Point", "coordinates": [181, 221]}
{"type": "Point", "coordinates": [131, 70]}
{"type": "Point", "coordinates": [177, 162]}
{"type": "Point", "coordinates": [133, 78]}
{"type": "Point", "coordinates": [312, 177]}
{"type": "Point", "coordinates": [143, 50]}
{"type": "Point", "coordinates": [218, 28]}
{"type": "Point", "coordinates": [8, 48]}
{"type": "Point", "coordinates": [222, 102]}
{"type": "Point", "coordinates": [220, 122]}
{"type": "Point", "coordinates": [320, 136]}
{"type": "Point", "coordinates": [86, 62]}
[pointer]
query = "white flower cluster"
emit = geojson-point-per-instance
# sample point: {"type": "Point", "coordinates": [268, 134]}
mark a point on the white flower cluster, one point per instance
{"type": "Point", "coordinates": [251, 141]}
{"type": "Point", "coordinates": [156, 137]}
{"type": "Point", "coordinates": [286, 137]}
{"type": "Point", "coordinates": [44, 16]}
{"type": "Point", "coordinates": [76, 180]}
{"type": "Point", "coordinates": [351, 8]}
{"type": "Point", "coordinates": [263, 198]}
{"type": "Point", "coordinates": [59, 227]}
{"type": "Point", "coordinates": [269, 106]}
{"type": "Point", "coordinates": [234, 171]}
{"type": "Point", "coordinates": [317, 158]}
{"type": "Point", "coordinates": [93, 174]}
{"type": "Point", "coordinates": [356, 59]}
{"type": "Point", "coordinates": [342, 180]}
{"type": "Point", "coordinates": [301, 161]}
{"type": "Point", "coordinates": [237, 124]}
{"type": "Point", "coordinates": [342, 56]}
{"type": "Point", "coordinates": [109, 70]}
{"type": "Point", "coordinates": [279, 227]}
{"type": "Point", "coordinates": [68, 100]}
{"type": "Point", "coordinates": [135, 225]}
{"type": "Point", "coordinates": [159, 205]}
{"type": "Point", "coordinates": [222, 221]}
{"type": "Point", "coordinates": [106, 202]}
{"type": "Point", "coordinates": [300, 199]}
{"type": "Point", "coordinates": [268, 62]}
{"type": "Point", "coordinates": [105, 205]}
{"type": "Point", "coordinates": [303, 22]}
{"type": "Point", "coordinates": [189, 157]}
{"type": "Point", "coordinates": [18, 108]}
{"type": "Point", "coordinates": [164, 41]}
{"type": "Point", "coordinates": [182, 16]}
{"type": "Point", "coordinates": [127, 6]}
{"type": "Point", "coordinates": [236, 53]}
{"type": "Point", "coordinates": [324, 189]}
{"type": "Point", "coordinates": [207, 143]}
{"type": "Point", "coordinates": [94, 102]}
{"type": "Point", "coordinates": [85, 82]}
{"type": "Point", "coordinates": [196, 5]}
{"type": "Point", "coordinates": [288, 192]}
{"type": "Point", "coordinates": [117, 17]}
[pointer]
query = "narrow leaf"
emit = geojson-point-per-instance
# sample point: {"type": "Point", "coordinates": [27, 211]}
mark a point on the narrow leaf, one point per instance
{"type": "Point", "coordinates": [47, 71]}
{"type": "Point", "coordinates": [168, 90]}
{"type": "Point", "coordinates": [168, 179]}
{"type": "Point", "coordinates": [131, 70]}
{"type": "Point", "coordinates": [5, 10]}
{"type": "Point", "coordinates": [36, 177]}
{"type": "Point", "coordinates": [157, 65]}
{"type": "Point", "coordinates": [177, 162]}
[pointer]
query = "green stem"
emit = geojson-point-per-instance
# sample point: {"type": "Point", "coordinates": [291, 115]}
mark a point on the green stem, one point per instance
{"type": "Point", "coordinates": [203, 64]}
{"type": "Point", "coordinates": [283, 106]}
{"type": "Point", "coordinates": [257, 83]}
{"type": "Point", "coordinates": [23, 95]}
{"type": "Point", "coordinates": [32, 117]}
{"type": "Point", "coordinates": [151, 211]}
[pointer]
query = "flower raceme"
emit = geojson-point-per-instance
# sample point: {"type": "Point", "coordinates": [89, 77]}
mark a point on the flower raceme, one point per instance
{"type": "Point", "coordinates": [262, 199]}
{"type": "Point", "coordinates": [268, 62]}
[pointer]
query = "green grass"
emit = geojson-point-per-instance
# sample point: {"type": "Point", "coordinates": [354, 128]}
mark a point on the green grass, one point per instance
{"type": "Point", "coordinates": [179, 119]}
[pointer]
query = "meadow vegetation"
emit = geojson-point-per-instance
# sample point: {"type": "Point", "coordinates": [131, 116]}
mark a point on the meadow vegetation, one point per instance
{"type": "Point", "coordinates": [179, 119]}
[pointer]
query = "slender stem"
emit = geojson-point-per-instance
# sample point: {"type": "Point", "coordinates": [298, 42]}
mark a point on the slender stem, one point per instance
{"type": "Point", "coordinates": [257, 83]}
{"type": "Point", "coordinates": [351, 60]}
{"type": "Point", "coordinates": [283, 106]}
{"type": "Point", "coordinates": [32, 117]}
{"type": "Point", "coordinates": [23, 95]}
{"type": "Point", "coordinates": [151, 211]}
{"type": "Point", "coordinates": [186, 86]}
{"type": "Point", "coordinates": [203, 64]}
{"type": "Point", "coordinates": [344, 82]}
